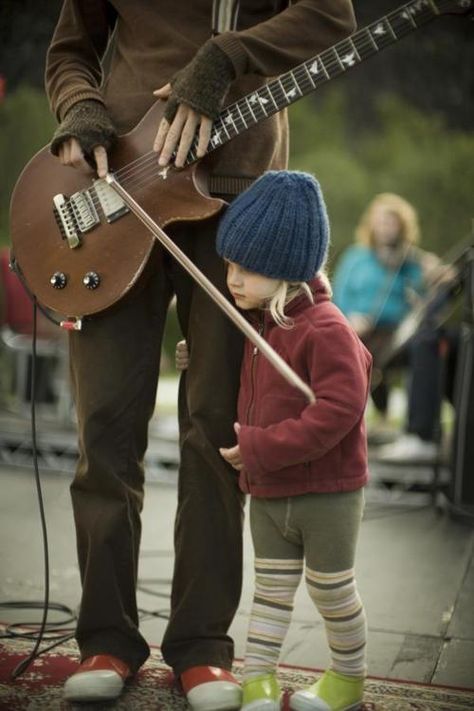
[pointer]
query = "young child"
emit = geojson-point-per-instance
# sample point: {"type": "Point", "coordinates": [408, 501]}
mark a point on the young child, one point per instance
{"type": "Point", "coordinates": [304, 465]}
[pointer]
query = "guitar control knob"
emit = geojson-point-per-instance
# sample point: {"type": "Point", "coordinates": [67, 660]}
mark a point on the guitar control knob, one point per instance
{"type": "Point", "coordinates": [91, 280]}
{"type": "Point", "coordinates": [58, 280]}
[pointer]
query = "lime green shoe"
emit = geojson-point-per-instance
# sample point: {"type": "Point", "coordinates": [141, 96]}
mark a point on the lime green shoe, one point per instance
{"type": "Point", "coordinates": [333, 692]}
{"type": "Point", "coordinates": [261, 693]}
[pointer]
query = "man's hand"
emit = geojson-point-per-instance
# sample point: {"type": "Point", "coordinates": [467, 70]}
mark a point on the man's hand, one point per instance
{"type": "Point", "coordinates": [70, 153]}
{"type": "Point", "coordinates": [179, 134]}
{"type": "Point", "coordinates": [232, 454]}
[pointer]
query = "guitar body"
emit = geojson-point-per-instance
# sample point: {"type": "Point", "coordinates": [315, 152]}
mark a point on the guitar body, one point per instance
{"type": "Point", "coordinates": [117, 251]}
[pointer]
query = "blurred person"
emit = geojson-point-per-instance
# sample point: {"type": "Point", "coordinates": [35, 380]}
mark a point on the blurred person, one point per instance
{"type": "Point", "coordinates": [378, 282]}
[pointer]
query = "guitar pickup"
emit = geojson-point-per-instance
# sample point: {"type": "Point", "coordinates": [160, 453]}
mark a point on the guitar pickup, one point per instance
{"type": "Point", "coordinates": [111, 203]}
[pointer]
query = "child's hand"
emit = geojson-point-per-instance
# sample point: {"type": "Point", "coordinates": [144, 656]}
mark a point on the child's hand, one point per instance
{"type": "Point", "coordinates": [232, 454]}
{"type": "Point", "coordinates": [182, 356]}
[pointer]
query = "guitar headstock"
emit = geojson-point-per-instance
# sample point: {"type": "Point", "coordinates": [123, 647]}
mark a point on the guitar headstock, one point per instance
{"type": "Point", "coordinates": [455, 7]}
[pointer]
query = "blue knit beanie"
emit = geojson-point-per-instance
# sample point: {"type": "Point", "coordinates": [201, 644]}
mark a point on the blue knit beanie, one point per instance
{"type": "Point", "coordinates": [278, 227]}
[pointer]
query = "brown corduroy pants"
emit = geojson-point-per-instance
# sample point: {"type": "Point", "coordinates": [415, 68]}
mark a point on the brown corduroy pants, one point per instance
{"type": "Point", "coordinates": [114, 365]}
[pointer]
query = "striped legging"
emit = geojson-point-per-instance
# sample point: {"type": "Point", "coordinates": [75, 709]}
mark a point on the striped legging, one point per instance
{"type": "Point", "coordinates": [323, 529]}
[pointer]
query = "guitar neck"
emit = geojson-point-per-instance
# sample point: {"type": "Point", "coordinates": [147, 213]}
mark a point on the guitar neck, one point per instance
{"type": "Point", "coordinates": [283, 91]}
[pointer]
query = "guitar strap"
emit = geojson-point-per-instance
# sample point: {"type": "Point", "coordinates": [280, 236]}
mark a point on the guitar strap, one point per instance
{"type": "Point", "coordinates": [224, 15]}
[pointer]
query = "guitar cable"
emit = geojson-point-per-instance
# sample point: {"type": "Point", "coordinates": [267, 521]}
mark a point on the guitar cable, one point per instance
{"type": "Point", "coordinates": [57, 632]}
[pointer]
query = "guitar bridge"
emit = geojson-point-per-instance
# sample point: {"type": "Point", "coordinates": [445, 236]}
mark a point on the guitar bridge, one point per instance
{"type": "Point", "coordinates": [75, 216]}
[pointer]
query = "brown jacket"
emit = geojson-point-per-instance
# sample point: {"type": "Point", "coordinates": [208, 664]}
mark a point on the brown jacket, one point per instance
{"type": "Point", "coordinates": [153, 40]}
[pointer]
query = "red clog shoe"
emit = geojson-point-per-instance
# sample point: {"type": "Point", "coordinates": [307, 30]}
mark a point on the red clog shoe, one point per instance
{"type": "Point", "coordinates": [98, 678]}
{"type": "Point", "coordinates": [211, 689]}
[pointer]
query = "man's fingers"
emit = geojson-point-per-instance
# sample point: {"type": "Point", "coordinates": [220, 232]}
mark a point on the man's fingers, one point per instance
{"type": "Point", "coordinates": [204, 136]}
{"type": "Point", "coordinates": [187, 137]}
{"type": "Point", "coordinates": [76, 158]}
{"type": "Point", "coordinates": [163, 129]}
{"type": "Point", "coordinates": [173, 135]}
{"type": "Point", "coordinates": [178, 136]}
{"type": "Point", "coordinates": [163, 92]}
{"type": "Point", "coordinates": [70, 153]}
{"type": "Point", "coordinates": [100, 156]}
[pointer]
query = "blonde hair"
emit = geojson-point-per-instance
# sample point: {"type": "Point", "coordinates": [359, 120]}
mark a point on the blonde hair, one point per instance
{"type": "Point", "coordinates": [285, 292]}
{"type": "Point", "coordinates": [406, 213]}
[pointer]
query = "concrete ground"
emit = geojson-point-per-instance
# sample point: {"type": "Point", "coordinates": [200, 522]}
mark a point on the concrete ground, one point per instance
{"type": "Point", "coordinates": [415, 563]}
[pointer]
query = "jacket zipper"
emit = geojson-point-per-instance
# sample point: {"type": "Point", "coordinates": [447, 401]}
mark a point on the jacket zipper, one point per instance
{"type": "Point", "coordinates": [252, 377]}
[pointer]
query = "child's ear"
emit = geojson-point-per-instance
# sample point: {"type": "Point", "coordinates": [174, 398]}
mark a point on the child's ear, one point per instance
{"type": "Point", "coordinates": [236, 428]}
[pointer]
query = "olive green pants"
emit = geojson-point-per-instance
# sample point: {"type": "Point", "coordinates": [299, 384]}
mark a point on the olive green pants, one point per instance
{"type": "Point", "coordinates": [321, 528]}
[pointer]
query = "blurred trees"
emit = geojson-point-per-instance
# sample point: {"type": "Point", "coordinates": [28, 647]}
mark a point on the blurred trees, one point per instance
{"type": "Point", "coordinates": [410, 152]}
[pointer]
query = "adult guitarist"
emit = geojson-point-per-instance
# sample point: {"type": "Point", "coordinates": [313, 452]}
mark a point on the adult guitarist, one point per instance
{"type": "Point", "coordinates": [167, 47]}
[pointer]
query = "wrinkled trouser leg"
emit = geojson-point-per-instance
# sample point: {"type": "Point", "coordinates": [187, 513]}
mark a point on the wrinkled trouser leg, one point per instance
{"type": "Point", "coordinates": [114, 366]}
{"type": "Point", "coordinates": [208, 532]}
{"type": "Point", "coordinates": [116, 361]}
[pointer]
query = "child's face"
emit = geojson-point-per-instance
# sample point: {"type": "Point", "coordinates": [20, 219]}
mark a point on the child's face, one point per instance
{"type": "Point", "coordinates": [249, 290]}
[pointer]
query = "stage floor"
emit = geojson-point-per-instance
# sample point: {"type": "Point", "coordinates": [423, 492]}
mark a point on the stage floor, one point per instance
{"type": "Point", "coordinates": [415, 565]}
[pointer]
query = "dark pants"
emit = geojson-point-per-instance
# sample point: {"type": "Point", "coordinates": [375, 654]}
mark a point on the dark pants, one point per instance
{"type": "Point", "coordinates": [433, 357]}
{"type": "Point", "coordinates": [115, 363]}
{"type": "Point", "coordinates": [430, 357]}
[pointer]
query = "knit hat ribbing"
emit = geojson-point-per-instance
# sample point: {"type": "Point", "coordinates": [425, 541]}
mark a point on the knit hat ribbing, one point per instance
{"type": "Point", "coordinates": [278, 227]}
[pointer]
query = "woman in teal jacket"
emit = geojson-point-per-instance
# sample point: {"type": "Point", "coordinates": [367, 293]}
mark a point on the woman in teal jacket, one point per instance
{"type": "Point", "coordinates": [380, 278]}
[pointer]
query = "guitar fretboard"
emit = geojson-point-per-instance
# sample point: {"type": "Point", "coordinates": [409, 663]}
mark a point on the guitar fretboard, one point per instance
{"type": "Point", "coordinates": [281, 92]}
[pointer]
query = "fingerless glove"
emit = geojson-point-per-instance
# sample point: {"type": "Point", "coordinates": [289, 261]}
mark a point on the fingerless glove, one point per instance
{"type": "Point", "coordinates": [89, 123]}
{"type": "Point", "coordinates": [203, 83]}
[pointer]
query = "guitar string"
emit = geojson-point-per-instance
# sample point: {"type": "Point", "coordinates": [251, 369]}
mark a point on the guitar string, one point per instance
{"type": "Point", "coordinates": [300, 75]}
{"type": "Point", "coordinates": [299, 78]}
{"type": "Point", "coordinates": [145, 169]}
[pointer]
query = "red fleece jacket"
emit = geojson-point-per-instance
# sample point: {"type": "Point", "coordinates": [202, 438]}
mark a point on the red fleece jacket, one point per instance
{"type": "Point", "coordinates": [288, 446]}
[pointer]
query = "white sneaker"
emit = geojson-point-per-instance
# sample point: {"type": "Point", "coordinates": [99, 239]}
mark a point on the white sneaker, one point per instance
{"type": "Point", "coordinates": [408, 448]}
{"type": "Point", "coordinates": [98, 678]}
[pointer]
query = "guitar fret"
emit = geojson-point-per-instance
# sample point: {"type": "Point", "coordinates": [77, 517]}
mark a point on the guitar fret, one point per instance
{"type": "Point", "coordinates": [314, 70]}
{"type": "Point", "coordinates": [269, 91]}
{"type": "Point", "coordinates": [229, 120]}
{"type": "Point", "coordinates": [250, 109]}
{"type": "Point", "coordinates": [303, 80]}
{"type": "Point", "coordinates": [287, 88]}
{"type": "Point", "coordinates": [309, 75]}
{"type": "Point", "coordinates": [408, 15]}
{"type": "Point", "coordinates": [323, 65]}
{"type": "Point", "coordinates": [279, 93]}
{"type": "Point", "coordinates": [354, 48]}
{"type": "Point", "coordinates": [216, 139]}
{"type": "Point", "coordinates": [296, 83]}
{"type": "Point", "coordinates": [364, 44]}
{"type": "Point", "coordinates": [347, 54]}
{"type": "Point", "coordinates": [390, 28]}
{"type": "Point", "coordinates": [293, 90]}
{"type": "Point", "coordinates": [373, 42]}
{"type": "Point", "coordinates": [223, 127]}
{"type": "Point", "coordinates": [257, 100]}
{"type": "Point", "coordinates": [240, 114]}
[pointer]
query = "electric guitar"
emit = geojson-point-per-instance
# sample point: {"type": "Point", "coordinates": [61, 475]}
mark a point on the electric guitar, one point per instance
{"type": "Point", "coordinates": [79, 248]}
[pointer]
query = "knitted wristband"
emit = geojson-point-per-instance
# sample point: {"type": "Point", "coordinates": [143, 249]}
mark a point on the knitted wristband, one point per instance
{"type": "Point", "coordinates": [203, 83]}
{"type": "Point", "coordinates": [89, 123]}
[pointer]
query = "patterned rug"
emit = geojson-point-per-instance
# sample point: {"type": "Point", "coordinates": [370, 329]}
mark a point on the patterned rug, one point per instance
{"type": "Point", "coordinates": [40, 687]}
